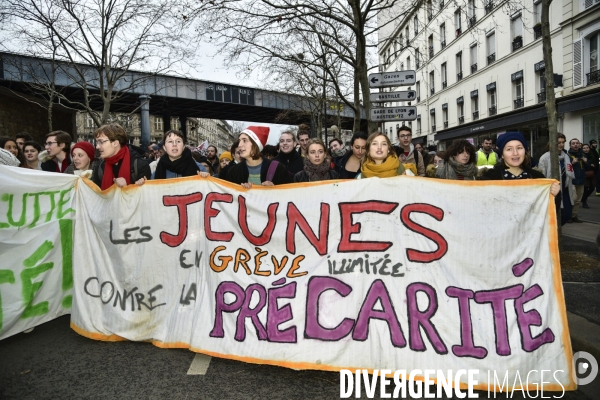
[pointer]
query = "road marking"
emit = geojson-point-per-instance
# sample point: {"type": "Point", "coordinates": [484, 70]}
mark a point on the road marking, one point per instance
{"type": "Point", "coordinates": [199, 365]}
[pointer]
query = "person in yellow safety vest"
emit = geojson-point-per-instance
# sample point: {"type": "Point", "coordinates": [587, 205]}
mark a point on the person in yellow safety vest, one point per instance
{"type": "Point", "coordinates": [485, 155]}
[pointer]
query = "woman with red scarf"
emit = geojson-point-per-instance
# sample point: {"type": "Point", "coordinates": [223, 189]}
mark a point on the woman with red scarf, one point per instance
{"type": "Point", "coordinates": [119, 165]}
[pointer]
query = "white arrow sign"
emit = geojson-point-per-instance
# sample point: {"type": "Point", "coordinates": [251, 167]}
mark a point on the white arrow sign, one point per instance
{"type": "Point", "coordinates": [394, 114]}
{"type": "Point", "coordinates": [397, 78]}
{"type": "Point", "coordinates": [393, 96]}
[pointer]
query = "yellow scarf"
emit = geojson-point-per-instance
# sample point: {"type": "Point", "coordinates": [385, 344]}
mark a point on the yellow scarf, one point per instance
{"type": "Point", "coordinates": [387, 169]}
{"type": "Point", "coordinates": [412, 167]}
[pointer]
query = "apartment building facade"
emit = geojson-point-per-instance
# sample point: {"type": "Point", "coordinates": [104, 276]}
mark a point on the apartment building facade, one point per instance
{"type": "Point", "coordinates": [480, 69]}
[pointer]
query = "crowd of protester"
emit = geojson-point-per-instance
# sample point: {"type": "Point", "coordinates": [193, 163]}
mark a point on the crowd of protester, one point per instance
{"type": "Point", "coordinates": [298, 158]}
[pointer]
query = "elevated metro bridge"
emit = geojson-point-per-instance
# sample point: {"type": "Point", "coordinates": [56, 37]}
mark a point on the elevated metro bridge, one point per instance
{"type": "Point", "coordinates": [166, 95]}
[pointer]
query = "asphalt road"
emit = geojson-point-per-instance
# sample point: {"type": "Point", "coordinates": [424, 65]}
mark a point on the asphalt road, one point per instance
{"type": "Point", "coordinates": [54, 362]}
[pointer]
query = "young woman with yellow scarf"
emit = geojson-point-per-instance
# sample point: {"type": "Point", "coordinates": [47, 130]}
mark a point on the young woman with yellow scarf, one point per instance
{"type": "Point", "coordinates": [381, 160]}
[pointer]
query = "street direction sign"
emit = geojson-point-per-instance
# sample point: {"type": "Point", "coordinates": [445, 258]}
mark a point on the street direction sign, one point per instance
{"type": "Point", "coordinates": [381, 97]}
{"type": "Point", "coordinates": [396, 78]}
{"type": "Point", "coordinates": [393, 114]}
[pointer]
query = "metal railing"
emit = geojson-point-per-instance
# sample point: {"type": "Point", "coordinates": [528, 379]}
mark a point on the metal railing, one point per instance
{"type": "Point", "coordinates": [459, 76]}
{"type": "Point", "coordinates": [432, 90]}
{"type": "Point", "coordinates": [475, 115]}
{"type": "Point", "coordinates": [443, 44]}
{"type": "Point", "coordinates": [537, 32]}
{"type": "Point", "coordinates": [444, 85]}
{"type": "Point", "coordinates": [491, 58]}
{"type": "Point", "coordinates": [489, 6]}
{"type": "Point", "coordinates": [517, 44]}
{"type": "Point", "coordinates": [492, 111]}
{"type": "Point", "coordinates": [519, 102]}
{"type": "Point", "coordinates": [433, 128]}
{"type": "Point", "coordinates": [429, 16]}
{"type": "Point", "coordinates": [418, 99]}
{"type": "Point", "coordinates": [474, 68]}
{"type": "Point", "coordinates": [445, 124]}
{"type": "Point", "coordinates": [431, 52]}
{"type": "Point", "coordinates": [461, 119]}
{"type": "Point", "coordinates": [458, 32]}
{"type": "Point", "coordinates": [541, 97]}
{"type": "Point", "coordinates": [593, 77]}
{"type": "Point", "coordinates": [472, 21]}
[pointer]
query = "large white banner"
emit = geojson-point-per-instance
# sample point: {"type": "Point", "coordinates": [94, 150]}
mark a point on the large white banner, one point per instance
{"type": "Point", "coordinates": [36, 238]}
{"type": "Point", "coordinates": [400, 273]}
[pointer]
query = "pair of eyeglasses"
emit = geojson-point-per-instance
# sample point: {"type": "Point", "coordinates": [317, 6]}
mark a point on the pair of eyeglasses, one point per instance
{"type": "Point", "coordinates": [49, 143]}
{"type": "Point", "coordinates": [102, 141]}
{"type": "Point", "coordinates": [405, 136]}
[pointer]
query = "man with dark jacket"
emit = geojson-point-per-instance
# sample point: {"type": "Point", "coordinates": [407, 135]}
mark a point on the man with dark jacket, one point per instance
{"type": "Point", "coordinates": [119, 165]}
{"type": "Point", "coordinates": [577, 160]}
{"type": "Point", "coordinates": [595, 160]}
{"type": "Point", "coordinates": [58, 146]}
{"type": "Point", "coordinates": [288, 155]}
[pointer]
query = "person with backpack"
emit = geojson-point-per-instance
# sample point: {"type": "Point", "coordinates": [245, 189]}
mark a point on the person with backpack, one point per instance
{"type": "Point", "coordinates": [119, 165]}
{"type": "Point", "coordinates": [254, 169]}
{"type": "Point", "coordinates": [317, 164]}
{"type": "Point", "coordinates": [409, 157]}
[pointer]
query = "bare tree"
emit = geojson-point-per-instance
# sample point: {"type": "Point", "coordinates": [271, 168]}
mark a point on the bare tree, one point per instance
{"type": "Point", "coordinates": [97, 43]}
{"type": "Point", "coordinates": [265, 32]}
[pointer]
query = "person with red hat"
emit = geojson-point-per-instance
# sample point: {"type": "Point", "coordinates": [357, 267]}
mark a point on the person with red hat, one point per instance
{"type": "Point", "coordinates": [83, 156]}
{"type": "Point", "coordinates": [253, 169]}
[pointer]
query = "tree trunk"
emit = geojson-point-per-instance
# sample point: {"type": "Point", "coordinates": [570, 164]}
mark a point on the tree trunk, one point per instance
{"type": "Point", "coordinates": [550, 100]}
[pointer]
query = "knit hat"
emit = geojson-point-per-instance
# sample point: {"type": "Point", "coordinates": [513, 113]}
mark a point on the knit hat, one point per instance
{"type": "Point", "coordinates": [85, 146]}
{"type": "Point", "coordinates": [259, 134]}
{"type": "Point", "coordinates": [226, 155]}
{"type": "Point", "coordinates": [507, 137]}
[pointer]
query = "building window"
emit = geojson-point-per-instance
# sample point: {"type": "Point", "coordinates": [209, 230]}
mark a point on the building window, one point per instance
{"type": "Point", "coordinates": [593, 76]}
{"type": "Point", "coordinates": [491, 47]}
{"type": "Point", "coordinates": [542, 87]}
{"type": "Point", "coordinates": [585, 60]}
{"type": "Point", "coordinates": [432, 82]}
{"type": "Point", "coordinates": [430, 43]}
{"type": "Point", "coordinates": [429, 10]}
{"type": "Point", "coordinates": [175, 125]}
{"type": "Point", "coordinates": [459, 73]}
{"type": "Point", "coordinates": [418, 124]}
{"type": "Point", "coordinates": [473, 52]}
{"type": "Point", "coordinates": [457, 24]}
{"type": "Point", "coordinates": [443, 35]}
{"type": "Point", "coordinates": [471, 12]}
{"type": "Point", "coordinates": [492, 102]}
{"type": "Point", "coordinates": [461, 108]}
{"type": "Point", "coordinates": [417, 58]}
{"type": "Point", "coordinates": [489, 6]}
{"type": "Point", "coordinates": [516, 28]}
{"type": "Point", "coordinates": [401, 40]}
{"type": "Point", "coordinates": [418, 89]}
{"type": "Point", "coordinates": [416, 21]}
{"type": "Point", "coordinates": [475, 107]}
{"type": "Point", "coordinates": [444, 76]}
{"type": "Point", "coordinates": [401, 66]}
{"type": "Point", "coordinates": [158, 124]}
{"type": "Point", "coordinates": [89, 121]}
{"type": "Point", "coordinates": [407, 34]}
{"type": "Point", "coordinates": [432, 119]}
{"type": "Point", "coordinates": [408, 63]}
{"type": "Point", "coordinates": [445, 117]}
{"type": "Point", "coordinates": [519, 93]}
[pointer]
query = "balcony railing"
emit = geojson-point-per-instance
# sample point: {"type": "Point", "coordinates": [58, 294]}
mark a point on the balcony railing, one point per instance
{"type": "Point", "coordinates": [593, 77]}
{"type": "Point", "coordinates": [491, 58]}
{"type": "Point", "coordinates": [418, 64]}
{"type": "Point", "coordinates": [519, 102]}
{"type": "Point", "coordinates": [475, 115]}
{"type": "Point", "coordinates": [474, 68]}
{"type": "Point", "coordinates": [458, 32]}
{"type": "Point", "coordinates": [461, 119]}
{"type": "Point", "coordinates": [459, 76]}
{"type": "Point", "coordinates": [441, 4]}
{"type": "Point", "coordinates": [541, 97]}
{"type": "Point", "coordinates": [489, 6]}
{"type": "Point", "coordinates": [432, 128]}
{"type": "Point", "coordinates": [444, 85]}
{"type": "Point", "coordinates": [443, 44]}
{"type": "Point", "coordinates": [432, 90]}
{"type": "Point", "coordinates": [492, 111]}
{"type": "Point", "coordinates": [537, 32]}
{"type": "Point", "coordinates": [418, 99]}
{"type": "Point", "coordinates": [430, 51]}
{"type": "Point", "coordinates": [429, 16]}
{"type": "Point", "coordinates": [472, 21]}
{"type": "Point", "coordinates": [445, 124]}
{"type": "Point", "coordinates": [517, 43]}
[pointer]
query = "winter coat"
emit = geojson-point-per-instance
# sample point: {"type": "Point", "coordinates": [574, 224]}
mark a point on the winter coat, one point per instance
{"type": "Point", "coordinates": [239, 173]}
{"type": "Point", "coordinates": [302, 176]}
{"type": "Point", "coordinates": [544, 166]}
{"type": "Point", "coordinates": [292, 161]}
{"type": "Point", "coordinates": [411, 158]}
{"type": "Point", "coordinates": [496, 173]}
{"type": "Point", "coordinates": [578, 167]}
{"type": "Point", "coordinates": [340, 166]}
{"type": "Point", "coordinates": [139, 167]}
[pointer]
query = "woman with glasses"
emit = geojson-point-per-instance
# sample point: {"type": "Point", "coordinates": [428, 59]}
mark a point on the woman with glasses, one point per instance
{"type": "Point", "coordinates": [119, 165]}
{"type": "Point", "coordinates": [58, 146]}
{"type": "Point", "coordinates": [348, 166]}
{"type": "Point", "coordinates": [459, 162]}
{"type": "Point", "coordinates": [31, 150]}
{"type": "Point", "coordinates": [438, 160]}
{"type": "Point", "coordinates": [381, 160]}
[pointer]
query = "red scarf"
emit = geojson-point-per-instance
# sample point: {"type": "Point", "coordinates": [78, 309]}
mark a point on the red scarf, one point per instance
{"type": "Point", "coordinates": [63, 166]}
{"type": "Point", "coordinates": [124, 169]}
